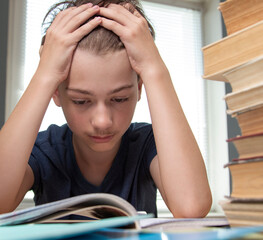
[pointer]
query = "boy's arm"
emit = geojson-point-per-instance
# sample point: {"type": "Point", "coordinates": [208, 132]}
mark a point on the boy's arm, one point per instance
{"type": "Point", "coordinates": [19, 133]}
{"type": "Point", "coordinates": [178, 170]}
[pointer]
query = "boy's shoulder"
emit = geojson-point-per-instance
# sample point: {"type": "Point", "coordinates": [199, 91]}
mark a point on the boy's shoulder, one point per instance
{"type": "Point", "coordinates": [140, 127]}
{"type": "Point", "coordinates": [54, 134]}
{"type": "Point", "coordinates": [139, 130]}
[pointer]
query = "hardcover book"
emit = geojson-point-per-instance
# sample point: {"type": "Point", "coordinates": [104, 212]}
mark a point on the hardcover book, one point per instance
{"type": "Point", "coordinates": [239, 14]}
{"type": "Point", "coordinates": [242, 100]}
{"type": "Point", "coordinates": [248, 146]}
{"type": "Point", "coordinates": [232, 51]}
{"type": "Point", "coordinates": [247, 75]}
{"type": "Point", "coordinates": [250, 121]}
{"type": "Point", "coordinates": [243, 213]}
{"type": "Point", "coordinates": [247, 181]}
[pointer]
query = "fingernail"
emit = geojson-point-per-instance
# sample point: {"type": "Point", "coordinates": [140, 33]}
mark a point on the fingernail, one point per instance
{"type": "Point", "coordinates": [89, 4]}
{"type": "Point", "coordinates": [96, 7]}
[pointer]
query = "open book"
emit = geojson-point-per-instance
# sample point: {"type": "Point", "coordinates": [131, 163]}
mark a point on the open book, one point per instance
{"type": "Point", "coordinates": [83, 211]}
{"type": "Point", "coordinates": [83, 208]}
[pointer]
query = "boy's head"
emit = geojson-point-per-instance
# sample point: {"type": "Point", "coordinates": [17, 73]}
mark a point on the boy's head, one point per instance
{"type": "Point", "coordinates": [100, 94]}
{"type": "Point", "coordinates": [100, 40]}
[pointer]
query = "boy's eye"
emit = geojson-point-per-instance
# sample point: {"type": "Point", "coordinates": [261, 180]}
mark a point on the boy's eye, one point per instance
{"type": "Point", "coordinates": [80, 102]}
{"type": "Point", "coordinates": [120, 100]}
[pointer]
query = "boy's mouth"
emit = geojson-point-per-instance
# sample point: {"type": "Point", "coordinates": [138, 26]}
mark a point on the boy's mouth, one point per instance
{"type": "Point", "coordinates": [102, 139]}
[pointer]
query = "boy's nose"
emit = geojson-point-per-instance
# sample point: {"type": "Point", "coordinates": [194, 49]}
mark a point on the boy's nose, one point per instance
{"type": "Point", "coordinates": [102, 118]}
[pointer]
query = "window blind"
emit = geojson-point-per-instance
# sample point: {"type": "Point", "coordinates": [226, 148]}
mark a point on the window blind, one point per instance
{"type": "Point", "coordinates": [35, 13]}
{"type": "Point", "coordinates": [179, 40]}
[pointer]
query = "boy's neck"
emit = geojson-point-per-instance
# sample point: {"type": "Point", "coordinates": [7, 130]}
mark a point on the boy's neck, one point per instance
{"type": "Point", "coordinates": [94, 166]}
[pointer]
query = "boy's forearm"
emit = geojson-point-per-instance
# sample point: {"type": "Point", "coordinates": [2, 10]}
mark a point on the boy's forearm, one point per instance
{"type": "Point", "coordinates": [182, 170]}
{"type": "Point", "coordinates": [18, 135]}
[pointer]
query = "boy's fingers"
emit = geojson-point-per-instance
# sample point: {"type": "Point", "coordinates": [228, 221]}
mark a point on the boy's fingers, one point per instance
{"type": "Point", "coordinates": [82, 17]}
{"type": "Point", "coordinates": [137, 14]}
{"type": "Point", "coordinates": [86, 28]}
{"type": "Point", "coordinates": [117, 13]}
{"type": "Point", "coordinates": [72, 17]}
{"type": "Point", "coordinates": [72, 24]}
{"type": "Point", "coordinates": [112, 26]}
{"type": "Point", "coordinates": [68, 13]}
{"type": "Point", "coordinates": [123, 22]}
{"type": "Point", "coordinates": [75, 20]}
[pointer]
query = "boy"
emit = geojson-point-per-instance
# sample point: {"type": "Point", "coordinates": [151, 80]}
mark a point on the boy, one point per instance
{"type": "Point", "coordinates": [93, 63]}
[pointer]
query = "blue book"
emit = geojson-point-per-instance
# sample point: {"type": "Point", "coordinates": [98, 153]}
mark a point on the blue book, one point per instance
{"type": "Point", "coordinates": [96, 230]}
{"type": "Point", "coordinates": [62, 230]}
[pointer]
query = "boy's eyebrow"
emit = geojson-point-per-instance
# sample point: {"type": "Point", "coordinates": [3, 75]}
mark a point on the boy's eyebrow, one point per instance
{"type": "Point", "coordinates": [79, 91]}
{"type": "Point", "coordinates": [82, 91]}
{"type": "Point", "coordinates": [122, 88]}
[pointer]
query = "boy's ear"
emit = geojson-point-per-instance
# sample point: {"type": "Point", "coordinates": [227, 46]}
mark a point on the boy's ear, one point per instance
{"type": "Point", "coordinates": [56, 98]}
{"type": "Point", "coordinates": [139, 88]}
{"type": "Point", "coordinates": [42, 44]}
{"type": "Point", "coordinates": [40, 50]}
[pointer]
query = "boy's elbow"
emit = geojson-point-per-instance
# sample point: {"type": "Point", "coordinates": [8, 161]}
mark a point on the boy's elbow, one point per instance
{"type": "Point", "coordinates": [8, 205]}
{"type": "Point", "coordinates": [195, 208]}
{"type": "Point", "coordinates": [6, 208]}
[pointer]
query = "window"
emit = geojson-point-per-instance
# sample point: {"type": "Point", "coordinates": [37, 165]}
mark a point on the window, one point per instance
{"type": "Point", "coordinates": [178, 37]}
{"type": "Point", "coordinates": [179, 40]}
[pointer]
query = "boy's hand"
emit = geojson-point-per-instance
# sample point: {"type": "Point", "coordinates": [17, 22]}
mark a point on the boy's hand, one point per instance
{"type": "Point", "coordinates": [62, 38]}
{"type": "Point", "coordinates": [134, 32]}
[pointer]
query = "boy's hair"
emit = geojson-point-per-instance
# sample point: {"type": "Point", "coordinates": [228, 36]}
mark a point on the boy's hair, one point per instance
{"type": "Point", "coordinates": [100, 40]}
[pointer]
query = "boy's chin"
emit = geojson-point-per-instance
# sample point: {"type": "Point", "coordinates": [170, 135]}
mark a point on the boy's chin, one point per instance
{"type": "Point", "coordinates": [102, 148]}
{"type": "Point", "coordinates": [109, 146]}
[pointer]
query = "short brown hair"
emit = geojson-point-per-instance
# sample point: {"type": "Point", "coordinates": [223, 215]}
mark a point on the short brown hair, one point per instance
{"type": "Point", "coordinates": [100, 40]}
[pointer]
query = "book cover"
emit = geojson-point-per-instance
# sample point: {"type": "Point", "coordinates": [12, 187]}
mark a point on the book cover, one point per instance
{"type": "Point", "coordinates": [243, 213]}
{"type": "Point", "coordinates": [244, 99]}
{"type": "Point", "coordinates": [232, 51]}
{"type": "Point", "coordinates": [250, 121]}
{"type": "Point", "coordinates": [247, 181]}
{"type": "Point", "coordinates": [82, 231]}
{"type": "Point", "coordinates": [246, 76]}
{"type": "Point", "coordinates": [239, 14]}
{"type": "Point", "coordinates": [248, 146]}
{"type": "Point", "coordinates": [62, 230]}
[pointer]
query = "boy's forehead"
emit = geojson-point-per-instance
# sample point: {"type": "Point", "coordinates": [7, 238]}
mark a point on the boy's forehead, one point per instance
{"type": "Point", "coordinates": [89, 66]}
{"type": "Point", "coordinates": [100, 73]}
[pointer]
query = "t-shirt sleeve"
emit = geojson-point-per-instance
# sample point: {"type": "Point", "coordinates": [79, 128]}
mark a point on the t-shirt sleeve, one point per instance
{"type": "Point", "coordinates": [150, 151]}
{"type": "Point", "coordinates": [33, 163]}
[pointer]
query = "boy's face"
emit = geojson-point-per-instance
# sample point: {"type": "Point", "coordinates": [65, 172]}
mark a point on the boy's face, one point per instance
{"type": "Point", "coordinates": [99, 98]}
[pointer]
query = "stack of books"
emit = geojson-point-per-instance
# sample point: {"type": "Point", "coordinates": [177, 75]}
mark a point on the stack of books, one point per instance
{"type": "Point", "coordinates": [238, 59]}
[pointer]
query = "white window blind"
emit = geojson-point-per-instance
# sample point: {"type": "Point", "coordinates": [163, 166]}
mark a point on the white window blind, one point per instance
{"type": "Point", "coordinates": [179, 40]}
{"type": "Point", "coordinates": [35, 12]}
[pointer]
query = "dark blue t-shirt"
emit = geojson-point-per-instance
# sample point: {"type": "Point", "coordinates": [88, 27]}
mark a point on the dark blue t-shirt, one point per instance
{"type": "Point", "coordinates": [57, 175]}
